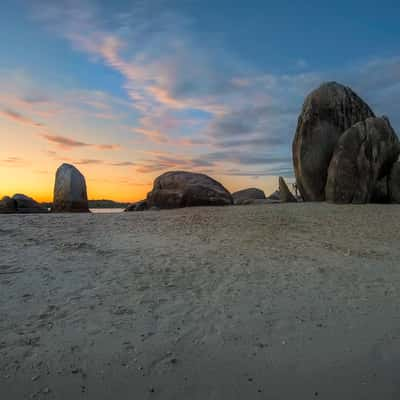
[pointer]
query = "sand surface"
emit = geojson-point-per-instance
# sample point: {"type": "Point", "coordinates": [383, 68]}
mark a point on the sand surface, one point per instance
{"type": "Point", "coordinates": [296, 301]}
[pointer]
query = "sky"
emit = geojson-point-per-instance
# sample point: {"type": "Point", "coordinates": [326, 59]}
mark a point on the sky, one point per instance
{"type": "Point", "coordinates": [126, 90]}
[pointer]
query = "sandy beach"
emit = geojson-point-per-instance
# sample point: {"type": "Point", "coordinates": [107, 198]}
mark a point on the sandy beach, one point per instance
{"type": "Point", "coordinates": [288, 301]}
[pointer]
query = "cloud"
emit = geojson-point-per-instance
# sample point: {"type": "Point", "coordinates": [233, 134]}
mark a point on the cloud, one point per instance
{"type": "Point", "coordinates": [108, 146]}
{"type": "Point", "coordinates": [162, 161]}
{"type": "Point", "coordinates": [87, 161]}
{"type": "Point", "coordinates": [18, 117]}
{"type": "Point", "coordinates": [13, 162]}
{"type": "Point", "coordinates": [187, 94]}
{"type": "Point", "coordinates": [66, 143]}
{"type": "Point", "coordinates": [122, 164]}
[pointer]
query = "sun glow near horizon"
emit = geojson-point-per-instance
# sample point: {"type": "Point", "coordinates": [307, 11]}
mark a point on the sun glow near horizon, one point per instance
{"type": "Point", "coordinates": [39, 184]}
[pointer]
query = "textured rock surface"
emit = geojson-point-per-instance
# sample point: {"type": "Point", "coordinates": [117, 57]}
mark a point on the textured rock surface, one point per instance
{"type": "Point", "coordinates": [252, 202]}
{"type": "Point", "coordinates": [327, 112]}
{"type": "Point", "coordinates": [138, 206]}
{"type": "Point", "coordinates": [187, 189]}
{"type": "Point", "coordinates": [394, 183]}
{"type": "Point", "coordinates": [70, 193]}
{"type": "Point", "coordinates": [8, 205]}
{"type": "Point", "coordinates": [20, 203]}
{"type": "Point", "coordinates": [380, 193]}
{"type": "Point", "coordinates": [26, 204]}
{"type": "Point", "coordinates": [285, 195]}
{"type": "Point", "coordinates": [244, 195]}
{"type": "Point", "coordinates": [364, 154]}
{"type": "Point", "coordinates": [274, 196]}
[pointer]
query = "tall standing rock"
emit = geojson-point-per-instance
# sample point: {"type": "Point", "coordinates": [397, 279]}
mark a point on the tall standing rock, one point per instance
{"type": "Point", "coordinates": [70, 193]}
{"type": "Point", "coordinates": [327, 112]}
{"type": "Point", "coordinates": [176, 189]}
{"type": "Point", "coordinates": [364, 155]}
{"type": "Point", "coordinates": [285, 195]}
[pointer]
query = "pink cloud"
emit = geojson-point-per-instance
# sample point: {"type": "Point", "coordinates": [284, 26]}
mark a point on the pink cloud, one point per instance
{"type": "Point", "coordinates": [18, 117]}
{"type": "Point", "coordinates": [66, 143]}
{"type": "Point", "coordinates": [107, 146]}
{"type": "Point", "coordinates": [152, 134]}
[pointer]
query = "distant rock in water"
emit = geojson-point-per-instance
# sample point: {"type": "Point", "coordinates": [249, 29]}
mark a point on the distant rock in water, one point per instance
{"type": "Point", "coordinates": [394, 183]}
{"type": "Point", "coordinates": [176, 189]}
{"type": "Point", "coordinates": [247, 195]}
{"type": "Point", "coordinates": [327, 112]}
{"type": "Point", "coordinates": [364, 154]}
{"type": "Point", "coordinates": [138, 206]}
{"type": "Point", "coordinates": [21, 204]}
{"type": "Point", "coordinates": [274, 196]}
{"type": "Point", "coordinates": [70, 193]}
{"type": "Point", "coordinates": [8, 205]}
{"type": "Point", "coordinates": [285, 195]}
{"type": "Point", "coordinates": [26, 204]}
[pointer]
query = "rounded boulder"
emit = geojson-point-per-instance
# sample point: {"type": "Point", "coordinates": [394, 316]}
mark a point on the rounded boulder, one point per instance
{"type": "Point", "coordinates": [177, 189]}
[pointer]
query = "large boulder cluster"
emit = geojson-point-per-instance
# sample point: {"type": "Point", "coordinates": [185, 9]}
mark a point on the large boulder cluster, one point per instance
{"type": "Point", "coordinates": [341, 152]}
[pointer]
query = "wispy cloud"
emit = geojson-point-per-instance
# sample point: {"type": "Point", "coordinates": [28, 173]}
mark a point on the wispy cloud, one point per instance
{"type": "Point", "coordinates": [107, 146]}
{"type": "Point", "coordinates": [66, 143]}
{"type": "Point", "coordinates": [13, 162]}
{"type": "Point", "coordinates": [186, 94]}
{"type": "Point", "coordinates": [15, 116]}
{"type": "Point", "coordinates": [122, 164]}
{"type": "Point", "coordinates": [87, 161]}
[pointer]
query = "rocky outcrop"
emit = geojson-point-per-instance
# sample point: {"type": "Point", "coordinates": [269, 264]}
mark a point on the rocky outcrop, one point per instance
{"type": "Point", "coordinates": [27, 205]}
{"type": "Point", "coordinates": [138, 206]}
{"type": "Point", "coordinates": [246, 195]}
{"type": "Point", "coordinates": [20, 204]}
{"type": "Point", "coordinates": [275, 196]}
{"type": "Point", "coordinates": [187, 189]}
{"type": "Point", "coordinates": [70, 193]}
{"type": "Point", "coordinates": [363, 155]}
{"type": "Point", "coordinates": [394, 183]}
{"type": "Point", "coordinates": [8, 205]}
{"type": "Point", "coordinates": [285, 195]}
{"type": "Point", "coordinates": [380, 193]}
{"type": "Point", "coordinates": [327, 112]}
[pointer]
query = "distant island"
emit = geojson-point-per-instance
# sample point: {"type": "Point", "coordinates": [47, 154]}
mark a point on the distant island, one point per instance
{"type": "Point", "coordinates": [99, 204]}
